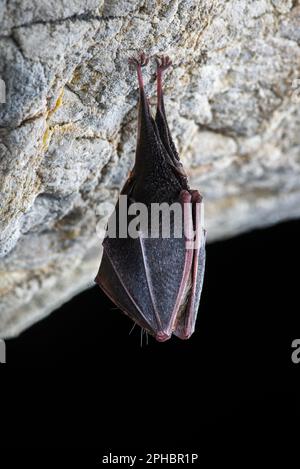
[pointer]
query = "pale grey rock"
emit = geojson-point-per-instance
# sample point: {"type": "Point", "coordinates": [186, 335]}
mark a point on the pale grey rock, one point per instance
{"type": "Point", "coordinates": [68, 127]}
{"type": "Point", "coordinates": [25, 13]}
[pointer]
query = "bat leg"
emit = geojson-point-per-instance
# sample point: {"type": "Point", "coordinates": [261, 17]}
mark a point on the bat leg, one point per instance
{"type": "Point", "coordinates": [139, 62]}
{"type": "Point", "coordinates": [163, 62]}
{"type": "Point", "coordinates": [186, 323]}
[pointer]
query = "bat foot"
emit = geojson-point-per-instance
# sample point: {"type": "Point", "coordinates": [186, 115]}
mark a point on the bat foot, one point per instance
{"type": "Point", "coordinates": [140, 61]}
{"type": "Point", "coordinates": [163, 62]}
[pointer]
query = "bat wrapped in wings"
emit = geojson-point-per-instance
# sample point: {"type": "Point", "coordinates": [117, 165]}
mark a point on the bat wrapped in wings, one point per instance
{"type": "Point", "coordinates": [155, 279]}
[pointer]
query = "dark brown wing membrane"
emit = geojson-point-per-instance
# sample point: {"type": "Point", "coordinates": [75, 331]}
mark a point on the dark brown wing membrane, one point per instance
{"type": "Point", "coordinates": [136, 273]}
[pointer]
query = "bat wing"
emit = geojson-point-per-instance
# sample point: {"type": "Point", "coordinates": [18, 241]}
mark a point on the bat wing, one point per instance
{"type": "Point", "coordinates": [137, 273]}
{"type": "Point", "coordinates": [168, 265]}
{"type": "Point", "coordinates": [148, 278]}
{"type": "Point", "coordinates": [121, 274]}
{"type": "Point", "coordinates": [186, 322]}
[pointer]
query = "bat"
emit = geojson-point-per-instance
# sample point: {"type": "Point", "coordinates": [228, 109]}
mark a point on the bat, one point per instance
{"type": "Point", "coordinates": [154, 279]}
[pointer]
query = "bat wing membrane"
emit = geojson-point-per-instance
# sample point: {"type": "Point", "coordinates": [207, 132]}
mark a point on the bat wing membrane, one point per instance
{"type": "Point", "coordinates": [186, 322]}
{"type": "Point", "coordinates": [137, 272]}
{"type": "Point", "coordinates": [167, 264]}
{"type": "Point", "coordinates": [112, 286]}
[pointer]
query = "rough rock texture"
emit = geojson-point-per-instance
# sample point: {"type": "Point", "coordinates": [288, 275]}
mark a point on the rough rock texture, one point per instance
{"type": "Point", "coordinates": [68, 127]}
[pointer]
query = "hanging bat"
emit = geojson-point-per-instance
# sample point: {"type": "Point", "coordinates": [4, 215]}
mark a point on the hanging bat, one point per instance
{"type": "Point", "coordinates": [157, 281]}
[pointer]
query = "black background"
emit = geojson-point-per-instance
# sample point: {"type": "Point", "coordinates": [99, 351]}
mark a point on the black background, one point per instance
{"type": "Point", "coordinates": [98, 388]}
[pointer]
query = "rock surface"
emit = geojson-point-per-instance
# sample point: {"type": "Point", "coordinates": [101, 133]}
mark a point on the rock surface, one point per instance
{"type": "Point", "coordinates": [68, 126]}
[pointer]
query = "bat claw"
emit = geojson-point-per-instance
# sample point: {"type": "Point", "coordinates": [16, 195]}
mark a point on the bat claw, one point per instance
{"type": "Point", "coordinates": [140, 61]}
{"type": "Point", "coordinates": [163, 62]}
